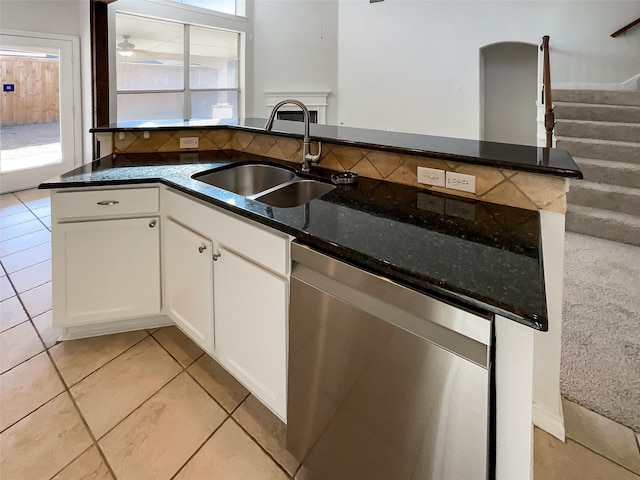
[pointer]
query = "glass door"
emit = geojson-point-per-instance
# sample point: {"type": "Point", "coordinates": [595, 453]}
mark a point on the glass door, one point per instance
{"type": "Point", "coordinates": [38, 127]}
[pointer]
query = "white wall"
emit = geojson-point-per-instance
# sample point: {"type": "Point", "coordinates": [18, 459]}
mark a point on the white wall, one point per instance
{"type": "Point", "coordinates": [398, 59]}
{"type": "Point", "coordinates": [62, 18]}
{"type": "Point", "coordinates": [295, 49]}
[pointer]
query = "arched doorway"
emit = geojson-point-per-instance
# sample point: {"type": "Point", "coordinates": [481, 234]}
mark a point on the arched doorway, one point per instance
{"type": "Point", "coordinates": [508, 92]}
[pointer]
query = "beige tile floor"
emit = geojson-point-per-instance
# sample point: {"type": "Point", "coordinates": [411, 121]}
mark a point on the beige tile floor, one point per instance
{"type": "Point", "coordinates": [147, 404]}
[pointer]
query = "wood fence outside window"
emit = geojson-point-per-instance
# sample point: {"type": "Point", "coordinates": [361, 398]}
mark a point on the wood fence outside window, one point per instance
{"type": "Point", "coordinates": [36, 98]}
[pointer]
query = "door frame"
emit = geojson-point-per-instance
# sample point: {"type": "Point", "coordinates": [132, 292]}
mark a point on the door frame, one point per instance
{"type": "Point", "coordinates": [70, 107]}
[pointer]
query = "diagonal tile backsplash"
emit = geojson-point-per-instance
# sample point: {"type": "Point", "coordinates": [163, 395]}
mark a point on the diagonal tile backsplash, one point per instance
{"type": "Point", "coordinates": [495, 185]}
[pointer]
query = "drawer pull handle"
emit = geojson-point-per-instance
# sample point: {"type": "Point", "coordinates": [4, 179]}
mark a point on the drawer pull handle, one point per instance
{"type": "Point", "coordinates": [202, 248]}
{"type": "Point", "coordinates": [152, 223]}
{"type": "Point", "coordinates": [216, 256]}
{"type": "Point", "coordinates": [108, 202]}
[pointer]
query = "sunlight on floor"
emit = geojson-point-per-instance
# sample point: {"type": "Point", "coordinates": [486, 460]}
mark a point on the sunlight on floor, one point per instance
{"type": "Point", "coordinates": [29, 146]}
{"type": "Point", "coordinates": [30, 157]}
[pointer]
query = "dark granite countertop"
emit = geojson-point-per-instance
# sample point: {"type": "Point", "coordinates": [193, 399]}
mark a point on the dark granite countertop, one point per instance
{"type": "Point", "coordinates": [476, 255]}
{"type": "Point", "coordinates": [544, 161]}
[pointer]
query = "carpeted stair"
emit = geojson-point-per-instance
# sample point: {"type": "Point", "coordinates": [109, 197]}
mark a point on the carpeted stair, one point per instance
{"type": "Point", "coordinates": [601, 130]}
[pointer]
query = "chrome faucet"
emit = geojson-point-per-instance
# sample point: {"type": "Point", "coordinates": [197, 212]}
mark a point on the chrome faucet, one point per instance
{"type": "Point", "coordinates": [307, 157]}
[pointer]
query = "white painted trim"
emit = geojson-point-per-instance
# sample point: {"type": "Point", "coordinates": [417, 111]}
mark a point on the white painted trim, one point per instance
{"type": "Point", "coordinates": [549, 421]}
{"type": "Point", "coordinates": [547, 345]}
{"type": "Point", "coordinates": [514, 389]}
{"type": "Point", "coordinates": [119, 326]}
{"type": "Point", "coordinates": [632, 84]}
{"type": "Point", "coordinates": [313, 100]}
{"type": "Point", "coordinates": [70, 107]}
{"type": "Point", "coordinates": [596, 86]}
{"type": "Point", "coordinates": [105, 140]}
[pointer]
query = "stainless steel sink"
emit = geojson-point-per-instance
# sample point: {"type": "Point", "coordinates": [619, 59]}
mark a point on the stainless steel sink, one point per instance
{"type": "Point", "coordinates": [295, 193]}
{"type": "Point", "coordinates": [247, 180]}
{"type": "Point", "coordinates": [270, 184]}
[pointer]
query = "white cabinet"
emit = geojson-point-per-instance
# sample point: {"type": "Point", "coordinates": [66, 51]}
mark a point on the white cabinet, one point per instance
{"type": "Point", "coordinates": [251, 332]}
{"type": "Point", "coordinates": [105, 270]}
{"type": "Point", "coordinates": [222, 279]}
{"type": "Point", "coordinates": [248, 292]}
{"type": "Point", "coordinates": [188, 273]}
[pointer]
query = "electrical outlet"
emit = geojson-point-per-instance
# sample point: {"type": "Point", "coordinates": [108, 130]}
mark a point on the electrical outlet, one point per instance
{"type": "Point", "coordinates": [189, 142]}
{"type": "Point", "coordinates": [431, 176]}
{"type": "Point", "coordinates": [460, 181]}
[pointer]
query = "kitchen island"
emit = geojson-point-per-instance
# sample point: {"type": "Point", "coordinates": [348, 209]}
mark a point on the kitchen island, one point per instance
{"type": "Point", "coordinates": [485, 258]}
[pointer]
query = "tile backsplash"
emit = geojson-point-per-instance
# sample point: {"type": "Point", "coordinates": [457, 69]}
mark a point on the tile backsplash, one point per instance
{"type": "Point", "coordinates": [496, 185]}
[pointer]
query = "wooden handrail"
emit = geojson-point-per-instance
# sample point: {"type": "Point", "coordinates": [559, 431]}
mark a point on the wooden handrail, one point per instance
{"type": "Point", "coordinates": [549, 116]}
{"type": "Point", "coordinates": [626, 27]}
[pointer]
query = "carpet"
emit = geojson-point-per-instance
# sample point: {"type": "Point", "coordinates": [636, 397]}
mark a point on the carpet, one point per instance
{"type": "Point", "coordinates": [600, 362]}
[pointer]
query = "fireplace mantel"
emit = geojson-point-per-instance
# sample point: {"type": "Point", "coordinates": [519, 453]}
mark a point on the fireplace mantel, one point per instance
{"type": "Point", "coordinates": [313, 100]}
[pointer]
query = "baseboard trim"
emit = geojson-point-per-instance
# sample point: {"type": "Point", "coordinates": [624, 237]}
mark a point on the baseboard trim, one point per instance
{"type": "Point", "coordinates": [550, 422]}
{"type": "Point", "coordinates": [120, 326]}
{"type": "Point", "coordinates": [632, 84]}
{"type": "Point", "coordinates": [596, 86]}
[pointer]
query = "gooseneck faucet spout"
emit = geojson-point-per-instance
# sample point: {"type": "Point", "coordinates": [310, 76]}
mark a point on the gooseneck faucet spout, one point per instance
{"type": "Point", "coordinates": [307, 157]}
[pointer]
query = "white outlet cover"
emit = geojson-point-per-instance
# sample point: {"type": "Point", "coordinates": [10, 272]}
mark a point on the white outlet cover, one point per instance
{"type": "Point", "coordinates": [461, 181]}
{"type": "Point", "coordinates": [189, 142]}
{"type": "Point", "coordinates": [431, 176]}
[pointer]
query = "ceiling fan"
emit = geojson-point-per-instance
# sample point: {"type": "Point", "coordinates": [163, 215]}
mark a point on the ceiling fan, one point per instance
{"type": "Point", "coordinates": [125, 48]}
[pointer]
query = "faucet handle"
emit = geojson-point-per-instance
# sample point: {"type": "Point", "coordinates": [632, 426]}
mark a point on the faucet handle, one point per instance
{"type": "Point", "coordinates": [314, 158]}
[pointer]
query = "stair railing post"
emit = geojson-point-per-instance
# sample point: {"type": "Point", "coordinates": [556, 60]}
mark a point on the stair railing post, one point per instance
{"type": "Point", "coordinates": [549, 116]}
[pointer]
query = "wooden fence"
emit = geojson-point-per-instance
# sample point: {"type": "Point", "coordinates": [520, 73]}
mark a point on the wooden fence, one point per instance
{"type": "Point", "coordinates": [36, 98]}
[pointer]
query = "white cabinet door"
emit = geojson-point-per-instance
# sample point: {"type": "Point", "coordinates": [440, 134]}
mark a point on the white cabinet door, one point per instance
{"type": "Point", "coordinates": [251, 327]}
{"type": "Point", "coordinates": [105, 270]}
{"type": "Point", "coordinates": [189, 282]}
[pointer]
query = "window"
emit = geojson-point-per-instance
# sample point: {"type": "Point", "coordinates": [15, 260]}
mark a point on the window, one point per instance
{"type": "Point", "coordinates": [153, 82]}
{"type": "Point", "coordinates": [232, 7]}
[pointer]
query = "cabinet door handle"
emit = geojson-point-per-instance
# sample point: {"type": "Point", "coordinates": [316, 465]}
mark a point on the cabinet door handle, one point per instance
{"type": "Point", "coordinates": [108, 202]}
{"type": "Point", "coordinates": [152, 223]}
{"type": "Point", "coordinates": [202, 248]}
{"type": "Point", "coordinates": [216, 256]}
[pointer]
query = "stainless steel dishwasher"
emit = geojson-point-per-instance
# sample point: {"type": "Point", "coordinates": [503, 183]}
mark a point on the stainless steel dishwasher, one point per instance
{"type": "Point", "coordinates": [384, 382]}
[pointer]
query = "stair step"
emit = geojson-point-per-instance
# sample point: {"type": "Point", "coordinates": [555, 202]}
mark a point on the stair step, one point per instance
{"type": "Point", "coordinates": [608, 97]}
{"type": "Point", "coordinates": [607, 171]}
{"type": "Point", "coordinates": [601, 149]}
{"type": "Point", "coordinates": [614, 226]}
{"type": "Point", "coordinates": [617, 131]}
{"type": "Point", "coordinates": [606, 197]}
{"type": "Point", "coordinates": [595, 112]}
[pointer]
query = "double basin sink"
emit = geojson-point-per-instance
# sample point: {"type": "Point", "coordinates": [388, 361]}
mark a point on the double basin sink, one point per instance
{"type": "Point", "coordinates": [269, 184]}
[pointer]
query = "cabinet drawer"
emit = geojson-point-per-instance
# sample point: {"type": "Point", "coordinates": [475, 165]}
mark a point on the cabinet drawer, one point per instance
{"type": "Point", "coordinates": [260, 244]}
{"type": "Point", "coordinates": [96, 203]}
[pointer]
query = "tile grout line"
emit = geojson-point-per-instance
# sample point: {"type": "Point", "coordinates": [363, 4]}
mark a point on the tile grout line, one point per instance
{"type": "Point", "coordinates": [67, 390]}
{"type": "Point", "coordinates": [106, 363]}
{"type": "Point", "coordinates": [30, 246]}
{"type": "Point", "coordinates": [136, 408]}
{"type": "Point", "coordinates": [22, 251]}
{"type": "Point", "coordinates": [82, 453]}
{"type": "Point", "coordinates": [229, 415]}
{"type": "Point", "coordinates": [601, 455]}
{"type": "Point", "coordinates": [215, 430]}
{"type": "Point", "coordinates": [184, 369]}
{"type": "Point", "coordinates": [36, 409]}
{"type": "Point", "coordinates": [77, 407]}
{"type": "Point", "coordinates": [259, 445]}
